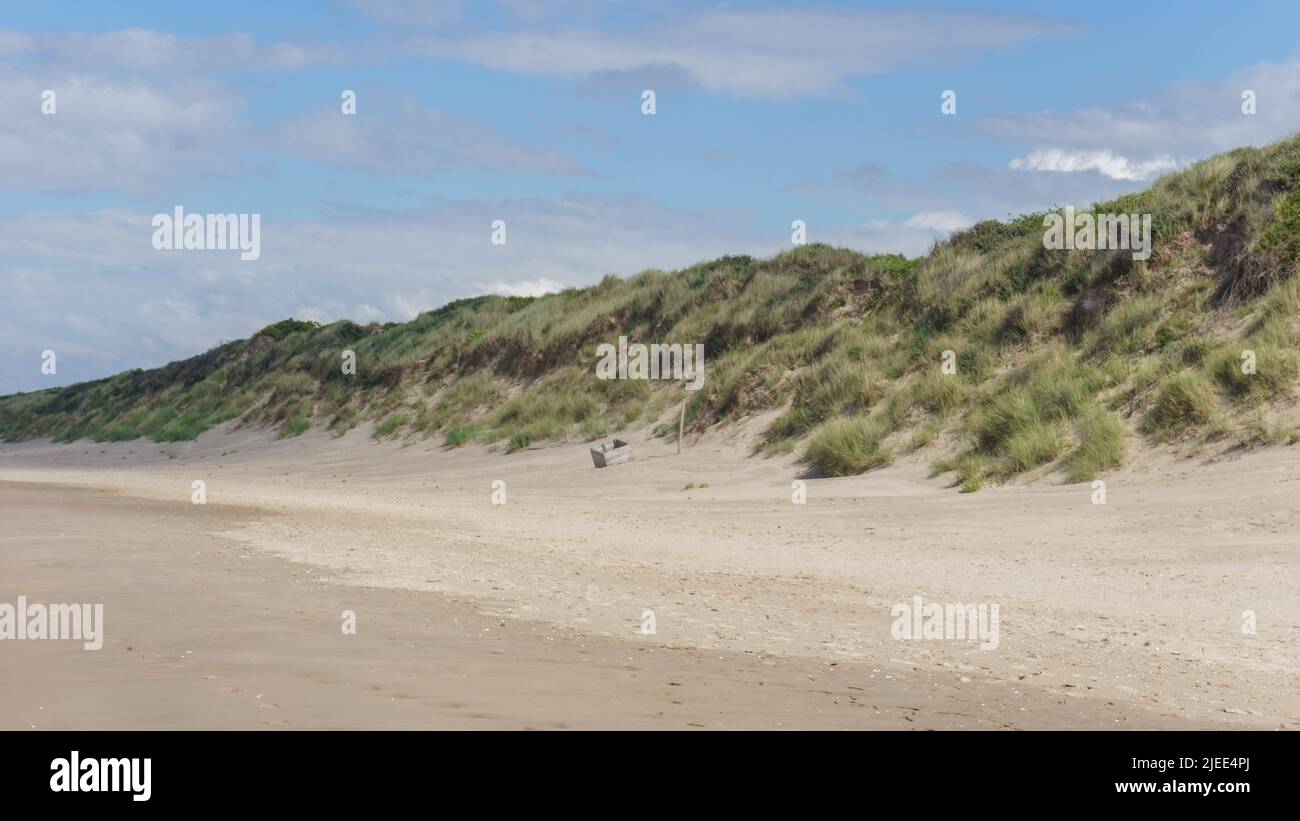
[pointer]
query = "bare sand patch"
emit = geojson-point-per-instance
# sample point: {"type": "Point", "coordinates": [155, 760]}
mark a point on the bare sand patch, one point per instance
{"type": "Point", "coordinates": [1124, 614]}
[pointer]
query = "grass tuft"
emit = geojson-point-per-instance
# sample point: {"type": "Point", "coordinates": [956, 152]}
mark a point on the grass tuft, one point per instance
{"type": "Point", "coordinates": [847, 447]}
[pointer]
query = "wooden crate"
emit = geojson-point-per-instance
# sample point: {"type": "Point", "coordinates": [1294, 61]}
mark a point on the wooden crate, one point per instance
{"type": "Point", "coordinates": [611, 453]}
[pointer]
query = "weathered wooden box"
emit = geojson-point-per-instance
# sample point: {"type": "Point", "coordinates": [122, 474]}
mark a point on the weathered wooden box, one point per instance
{"type": "Point", "coordinates": [611, 453]}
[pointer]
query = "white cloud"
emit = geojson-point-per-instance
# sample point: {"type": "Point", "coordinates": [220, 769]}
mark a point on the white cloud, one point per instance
{"type": "Point", "coordinates": [941, 221]}
{"type": "Point", "coordinates": [144, 137]}
{"type": "Point", "coordinates": [1001, 192]}
{"type": "Point", "coordinates": [773, 53]}
{"type": "Point", "coordinates": [108, 134]}
{"type": "Point", "coordinates": [535, 287]}
{"type": "Point", "coordinates": [407, 137]}
{"type": "Point", "coordinates": [1187, 122]}
{"type": "Point", "coordinates": [1106, 162]}
{"type": "Point", "coordinates": [409, 12]}
{"type": "Point", "coordinates": [145, 50]}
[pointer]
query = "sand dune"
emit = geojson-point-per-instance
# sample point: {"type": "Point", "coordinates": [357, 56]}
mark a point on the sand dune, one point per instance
{"type": "Point", "coordinates": [1127, 614]}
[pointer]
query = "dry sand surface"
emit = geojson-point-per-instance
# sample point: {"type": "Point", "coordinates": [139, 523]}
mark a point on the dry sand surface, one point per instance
{"type": "Point", "coordinates": [528, 614]}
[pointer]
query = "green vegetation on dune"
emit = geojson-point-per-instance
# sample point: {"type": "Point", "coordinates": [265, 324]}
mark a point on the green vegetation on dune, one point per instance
{"type": "Point", "coordinates": [1061, 358]}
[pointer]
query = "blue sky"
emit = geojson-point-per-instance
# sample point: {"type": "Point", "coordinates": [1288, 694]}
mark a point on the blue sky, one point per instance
{"type": "Point", "coordinates": [530, 112]}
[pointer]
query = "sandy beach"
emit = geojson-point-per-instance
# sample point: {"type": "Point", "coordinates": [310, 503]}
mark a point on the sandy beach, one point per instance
{"type": "Point", "coordinates": [530, 614]}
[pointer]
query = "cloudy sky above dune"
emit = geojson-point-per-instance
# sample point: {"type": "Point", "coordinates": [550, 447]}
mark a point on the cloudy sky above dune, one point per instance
{"type": "Point", "coordinates": [531, 113]}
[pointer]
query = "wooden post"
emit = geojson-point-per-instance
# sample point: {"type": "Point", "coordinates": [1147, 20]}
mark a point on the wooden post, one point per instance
{"type": "Point", "coordinates": [681, 424]}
